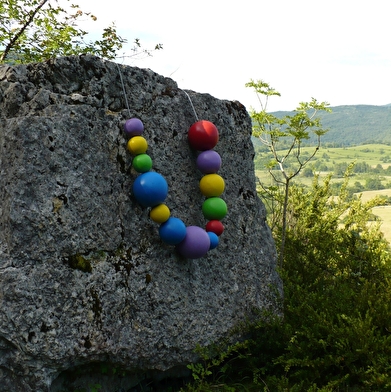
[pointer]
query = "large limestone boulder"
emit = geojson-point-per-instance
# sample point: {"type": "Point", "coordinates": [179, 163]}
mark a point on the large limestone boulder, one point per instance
{"type": "Point", "coordinates": [85, 281]}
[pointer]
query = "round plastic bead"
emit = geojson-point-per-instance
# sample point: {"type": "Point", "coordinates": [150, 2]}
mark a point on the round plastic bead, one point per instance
{"type": "Point", "coordinates": [212, 185]}
{"type": "Point", "coordinates": [133, 127]}
{"type": "Point", "coordinates": [160, 213]}
{"type": "Point", "coordinates": [214, 208]}
{"type": "Point", "coordinates": [196, 243]}
{"type": "Point", "coordinates": [208, 162]}
{"type": "Point", "coordinates": [150, 189]}
{"type": "Point", "coordinates": [142, 163]}
{"type": "Point", "coordinates": [215, 226]}
{"type": "Point", "coordinates": [214, 240]}
{"type": "Point", "coordinates": [173, 231]}
{"type": "Point", "coordinates": [137, 145]}
{"type": "Point", "coordinates": [203, 135]}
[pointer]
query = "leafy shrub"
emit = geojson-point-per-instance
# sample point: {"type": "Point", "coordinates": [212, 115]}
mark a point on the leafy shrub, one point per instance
{"type": "Point", "coordinates": [336, 330]}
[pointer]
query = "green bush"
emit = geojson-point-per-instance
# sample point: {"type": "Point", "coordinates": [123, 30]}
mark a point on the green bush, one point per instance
{"type": "Point", "coordinates": [336, 330]}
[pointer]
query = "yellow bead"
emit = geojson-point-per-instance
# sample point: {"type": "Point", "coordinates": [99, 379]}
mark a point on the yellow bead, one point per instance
{"type": "Point", "coordinates": [212, 185]}
{"type": "Point", "coordinates": [137, 145]}
{"type": "Point", "coordinates": [160, 213]}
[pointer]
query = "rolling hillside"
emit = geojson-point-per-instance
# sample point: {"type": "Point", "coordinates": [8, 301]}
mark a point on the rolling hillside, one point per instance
{"type": "Point", "coordinates": [355, 124]}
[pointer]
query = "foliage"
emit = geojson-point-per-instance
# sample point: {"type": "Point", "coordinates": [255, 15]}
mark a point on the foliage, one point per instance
{"type": "Point", "coordinates": [337, 271]}
{"type": "Point", "coordinates": [216, 363]}
{"type": "Point", "coordinates": [292, 130]}
{"type": "Point", "coordinates": [91, 388]}
{"type": "Point", "coordinates": [37, 30]}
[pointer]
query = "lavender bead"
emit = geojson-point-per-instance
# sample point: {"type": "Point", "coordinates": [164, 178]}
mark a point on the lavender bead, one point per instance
{"type": "Point", "coordinates": [196, 243]}
{"type": "Point", "coordinates": [133, 127]}
{"type": "Point", "coordinates": [209, 162]}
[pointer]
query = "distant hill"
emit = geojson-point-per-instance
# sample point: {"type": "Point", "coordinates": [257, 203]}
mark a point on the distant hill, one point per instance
{"type": "Point", "coordinates": [355, 124]}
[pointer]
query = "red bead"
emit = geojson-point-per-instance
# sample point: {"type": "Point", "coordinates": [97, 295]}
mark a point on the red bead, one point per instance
{"type": "Point", "coordinates": [203, 135]}
{"type": "Point", "coordinates": [215, 226]}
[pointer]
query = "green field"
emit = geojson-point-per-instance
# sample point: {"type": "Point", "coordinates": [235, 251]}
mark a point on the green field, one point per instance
{"type": "Point", "coordinates": [372, 154]}
{"type": "Point", "coordinates": [383, 212]}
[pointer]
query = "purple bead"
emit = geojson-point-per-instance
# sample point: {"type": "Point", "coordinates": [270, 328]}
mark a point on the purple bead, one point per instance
{"type": "Point", "coordinates": [209, 162]}
{"type": "Point", "coordinates": [196, 243]}
{"type": "Point", "coordinates": [133, 127]}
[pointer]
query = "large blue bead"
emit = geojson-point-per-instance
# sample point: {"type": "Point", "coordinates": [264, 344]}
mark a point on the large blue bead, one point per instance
{"type": "Point", "coordinates": [150, 189]}
{"type": "Point", "coordinates": [173, 231]}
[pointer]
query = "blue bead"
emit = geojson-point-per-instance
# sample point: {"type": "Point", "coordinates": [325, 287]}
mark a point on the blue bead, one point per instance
{"type": "Point", "coordinates": [173, 231]}
{"type": "Point", "coordinates": [150, 189]}
{"type": "Point", "coordinates": [214, 240]}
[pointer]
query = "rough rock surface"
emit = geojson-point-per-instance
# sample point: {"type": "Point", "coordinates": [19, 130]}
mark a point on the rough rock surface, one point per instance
{"type": "Point", "coordinates": [85, 281]}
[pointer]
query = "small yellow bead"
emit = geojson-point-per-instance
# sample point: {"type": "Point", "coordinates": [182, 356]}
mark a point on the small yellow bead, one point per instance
{"type": "Point", "coordinates": [137, 145]}
{"type": "Point", "coordinates": [212, 185]}
{"type": "Point", "coordinates": [160, 213]}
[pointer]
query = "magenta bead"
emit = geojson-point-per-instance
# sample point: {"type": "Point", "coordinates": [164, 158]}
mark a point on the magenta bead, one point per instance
{"type": "Point", "coordinates": [133, 127]}
{"type": "Point", "coordinates": [209, 162]}
{"type": "Point", "coordinates": [196, 243]}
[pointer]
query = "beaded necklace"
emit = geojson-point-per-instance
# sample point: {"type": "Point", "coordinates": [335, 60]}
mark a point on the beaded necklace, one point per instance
{"type": "Point", "coordinates": [150, 189]}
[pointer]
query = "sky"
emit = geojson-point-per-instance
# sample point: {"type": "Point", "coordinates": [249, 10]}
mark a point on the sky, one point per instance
{"type": "Point", "coordinates": [336, 51]}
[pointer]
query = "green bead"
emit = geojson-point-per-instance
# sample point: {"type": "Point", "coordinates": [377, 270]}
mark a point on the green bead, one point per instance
{"type": "Point", "coordinates": [214, 208]}
{"type": "Point", "coordinates": [142, 163]}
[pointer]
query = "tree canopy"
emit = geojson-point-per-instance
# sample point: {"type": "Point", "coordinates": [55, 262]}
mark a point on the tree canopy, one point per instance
{"type": "Point", "coordinates": [37, 30]}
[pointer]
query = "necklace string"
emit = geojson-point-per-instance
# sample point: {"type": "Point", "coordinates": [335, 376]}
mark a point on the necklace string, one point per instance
{"type": "Point", "coordinates": [126, 97]}
{"type": "Point", "coordinates": [191, 103]}
{"type": "Point", "coordinates": [123, 89]}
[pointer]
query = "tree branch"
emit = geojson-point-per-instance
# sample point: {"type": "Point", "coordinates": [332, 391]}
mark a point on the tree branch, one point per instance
{"type": "Point", "coordinates": [21, 31]}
